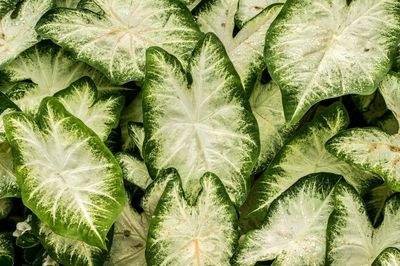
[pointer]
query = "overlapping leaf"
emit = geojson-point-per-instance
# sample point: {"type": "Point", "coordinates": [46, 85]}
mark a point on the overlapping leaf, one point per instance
{"type": "Point", "coordinates": [135, 171]}
{"type": "Point", "coordinates": [67, 176]}
{"type": "Point", "coordinates": [248, 9]}
{"type": "Point", "coordinates": [294, 230]}
{"type": "Point", "coordinates": [319, 49]}
{"type": "Point", "coordinates": [6, 249]}
{"type": "Point", "coordinates": [6, 205]}
{"type": "Point", "coordinates": [115, 40]}
{"type": "Point", "coordinates": [202, 126]}
{"type": "Point", "coordinates": [390, 90]}
{"type": "Point", "coordinates": [388, 257]}
{"type": "Point", "coordinates": [201, 234]}
{"type": "Point", "coordinates": [6, 6]}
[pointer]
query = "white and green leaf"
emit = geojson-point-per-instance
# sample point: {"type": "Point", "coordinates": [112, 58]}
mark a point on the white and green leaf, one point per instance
{"type": "Point", "coordinates": [246, 49]}
{"type": "Point", "coordinates": [136, 132]}
{"type": "Point", "coordinates": [8, 180]}
{"type": "Point", "coordinates": [6, 205]}
{"type": "Point", "coordinates": [6, 6]}
{"type": "Point", "coordinates": [351, 239]}
{"type": "Point", "coordinates": [67, 176]}
{"type": "Point", "coordinates": [318, 49]}
{"type": "Point", "coordinates": [390, 90]}
{"type": "Point", "coordinates": [302, 155]}
{"type": "Point", "coordinates": [68, 251]}
{"type": "Point", "coordinates": [372, 150]}
{"type": "Point", "coordinates": [134, 170]}
{"type": "Point", "coordinates": [294, 230]}
{"type": "Point", "coordinates": [131, 113]}
{"type": "Point", "coordinates": [388, 257]}
{"type": "Point", "coordinates": [67, 3]}
{"type": "Point", "coordinates": [6, 249]}
{"type": "Point", "coordinates": [248, 9]}
{"type": "Point", "coordinates": [99, 114]}
{"type": "Point", "coordinates": [201, 234]}
{"type": "Point", "coordinates": [17, 28]}
{"type": "Point", "coordinates": [204, 126]}
{"type": "Point", "coordinates": [115, 40]}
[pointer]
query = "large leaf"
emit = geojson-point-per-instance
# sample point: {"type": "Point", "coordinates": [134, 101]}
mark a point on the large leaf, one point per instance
{"type": "Point", "coordinates": [248, 9]}
{"type": "Point", "coordinates": [135, 171]}
{"type": "Point", "coordinates": [388, 257]}
{"type": "Point", "coordinates": [201, 234]}
{"type": "Point", "coordinates": [202, 126]}
{"type": "Point", "coordinates": [351, 239]}
{"type": "Point", "coordinates": [51, 69]}
{"type": "Point", "coordinates": [6, 249]}
{"type": "Point", "coordinates": [372, 150]}
{"type": "Point", "coordinates": [304, 154]}
{"type": "Point", "coordinates": [267, 107]}
{"type": "Point", "coordinates": [99, 114]}
{"type": "Point", "coordinates": [115, 41]}
{"type": "Point", "coordinates": [390, 90]}
{"type": "Point", "coordinates": [8, 181]}
{"type": "Point", "coordinates": [294, 230]}
{"type": "Point", "coordinates": [131, 228]}
{"type": "Point", "coordinates": [318, 49]}
{"type": "Point", "coordinates": [68, 251]}
{"type": "Point", "coordinates": [247, 47]}
{"type": "Point", "coordinates": [67, 176]}
{"type": "Point", "coordinates": [18, 28]}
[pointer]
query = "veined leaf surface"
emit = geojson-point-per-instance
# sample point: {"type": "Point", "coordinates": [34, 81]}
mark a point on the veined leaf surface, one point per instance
{"type": "Point", "coordinates": [304, 154]}
{"type": "Point", "coordinates": [115, 40]}
{"type": "Point", "coordinates": [6, 6]}
{"type": "Point", "coordinates": [351, 239]}
{"type": "Point", "coordinates": [246, 49]}
{"type": "Point", "coordinates": [318, 49]}
{"type": "Point", "coordinates": [388, 257]}
{"type": "Point", "coordinates": [204, 126]}
{"type": "Point", "coordinates": [67, 3]}
{"type": "Point", "coordinates": [248, 9]}
{"type": "Point", "coordinates": [294, 230]}
{"type": "Point", "coordinates": [135, 170]}
{"type": "Point", "coordinates": [390, 90]}
{"type": "Point", "coordinates": [99, 114]}
{"type": "Point", "coordinates": [201, 234]}
{"type": "Point", "coordinates": [18, 33]}
{"type": "Point", "coordinates": [67, 176]}
{"type": "Point", "coordinates": [6, 249]}
{"type": "Point", "coordinates": [136, 133]}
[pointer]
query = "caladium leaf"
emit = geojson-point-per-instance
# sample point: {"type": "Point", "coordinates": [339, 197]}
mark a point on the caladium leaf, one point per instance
{"type": "Point", "coordinates": [131, 113]}
{"type": "Point", "coordinates": [190, 127]}
{"type": "Point", "coordinates": [351, 239]}
{"type": "Point", "coordinates": [136, 132]}
{"type": "Point", "coordinates": [294, 230]}
{"type": "Point", "coordinates": [388, 257]}
{"type": "Point", "coordinates": [6, 249]}
{"type": "Point", "coordinates": [135, 170]}
{"type": "Point", "coordinates": [67, 3]}
{"type": "Point", "coordinates": [8, 181]}
{"type": "Point", "coordinates": [247, 47]}
{"type": "Point", "coordinates": [6, 6]}
{"type": "Point", "coordinates": [201, 234]}
{"type": "Point", "coordinates": [319, 49]}
{"type": "Point", "coordinates": [51, 69]}
{"type": "Point", "coordinates": [100, 115]}
{"type": "Point", "coordinates": [304, 154]}
{"type": "Point", "coordinates": [115, 40]}
{"type": "Point", "coordinates": [6, 106]}
{"type": "Point", "coordinates": [131, 228]}
{"type": "Point", "coordinates": [389, 89]}
{"type": "Point", "coordinates": [372, 150]}
{"type": "Point", "coordinates": [68, 251]}
{"type": "Point", "coordinates": [266, 104]}
{"type": "Point", "coordinates": [6, 205]}
{"type": "Point", "coordinates": [248, 9]}
{"type": "Point", "coordinates": [67, 176]}
{"type": "Point", "coordinates": [18, 28]}
{"type": "Point", "coordinates": [375, 200]}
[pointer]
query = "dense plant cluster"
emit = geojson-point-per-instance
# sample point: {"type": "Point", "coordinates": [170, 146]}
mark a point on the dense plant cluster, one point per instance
{"type": "Point", "coordinates": [199, 132]}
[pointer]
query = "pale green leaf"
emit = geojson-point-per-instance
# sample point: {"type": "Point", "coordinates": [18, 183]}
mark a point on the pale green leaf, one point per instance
{"type": "Point", "coordinates": [67, 3]}
{"type": "Point", "coordinates": [136, 132]}
{"type": "Point", "coordinates": [206, 126]}
{"type": "Point", "coordinates": [304, 154]}
{"type": "Point", "coordinates": [6, 249]}
{"type": "Point", "coordinates": [390, 90]}
{"type": "Point", "coordinates": [294, 230]}
{"type": "Point", "coordinates": [201, 234]}
{"type": "Point", "coordinates": [67, 176]}
{"type": "Point", "coordinates": [115, 40]}
{"type": "Point", "coordinates": [135, 170]}
{"type": "Point", "coordinates": [17, 31]}
{"type": "Point", "coordinates": [318, 49]}
{"type": "Point", "coordinates": [248, 9]}
{"type": "Point", "coordinates": [8, 181]}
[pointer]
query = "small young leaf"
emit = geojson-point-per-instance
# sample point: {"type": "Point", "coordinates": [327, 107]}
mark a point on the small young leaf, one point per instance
{"type": "Point", "coordinates": [67, 176]}
{"type": "Point", "coordinates": [390, 90]}
{"type": "Point", "coordinates": [351, 239]}
{"type": "Point", "coordinates": [115, 41]}
{"type": "Point", "coordinates": [136, 132]}
{"type": "Point", "coordinates": [201, 234]}
{"type": "Point", "coordinates": [17, 31]}
{"type": "Point", "coordinates": [101, 115]}
{"type": "Point", "coordinates": [388, 257]}
{"type": "Point", "coordinates": [304, 154]}
{"type": "Point", "coordinates": [135, 170]}
{"type": "Point", "coordinates": [294, 230]}
{"type": "Point", "coordinates": [201, 127]}
{"type": "Point", "coordinates": [6, 249]}
{"type": "Point", "coordinates": [318, 49]}
{"type": "Point", "coordinates": [248, 9]}
{"type": "Point", "coordinates": [8, 181]}
{"type": "Point", "coordinates": [372, 150]}
{"type": "Point", "coordinates": [6, 205]}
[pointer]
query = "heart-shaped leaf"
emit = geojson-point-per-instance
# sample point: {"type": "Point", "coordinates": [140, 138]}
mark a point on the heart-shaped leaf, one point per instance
{"type": "Point", "coordinates": [201, 234]}
{"type": "Point", "coordinates": [318, 49]}
{"type": "Point", "coordinates": [351, 239]}
{"type": "Point", "coordinates": [67, 176]}
{"type": "Point", "coordinates": [115, 40]}
{"type": "Point", "coordinates": [201, 126]}
{"type": "Point", "coordinates": [294, 230]}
